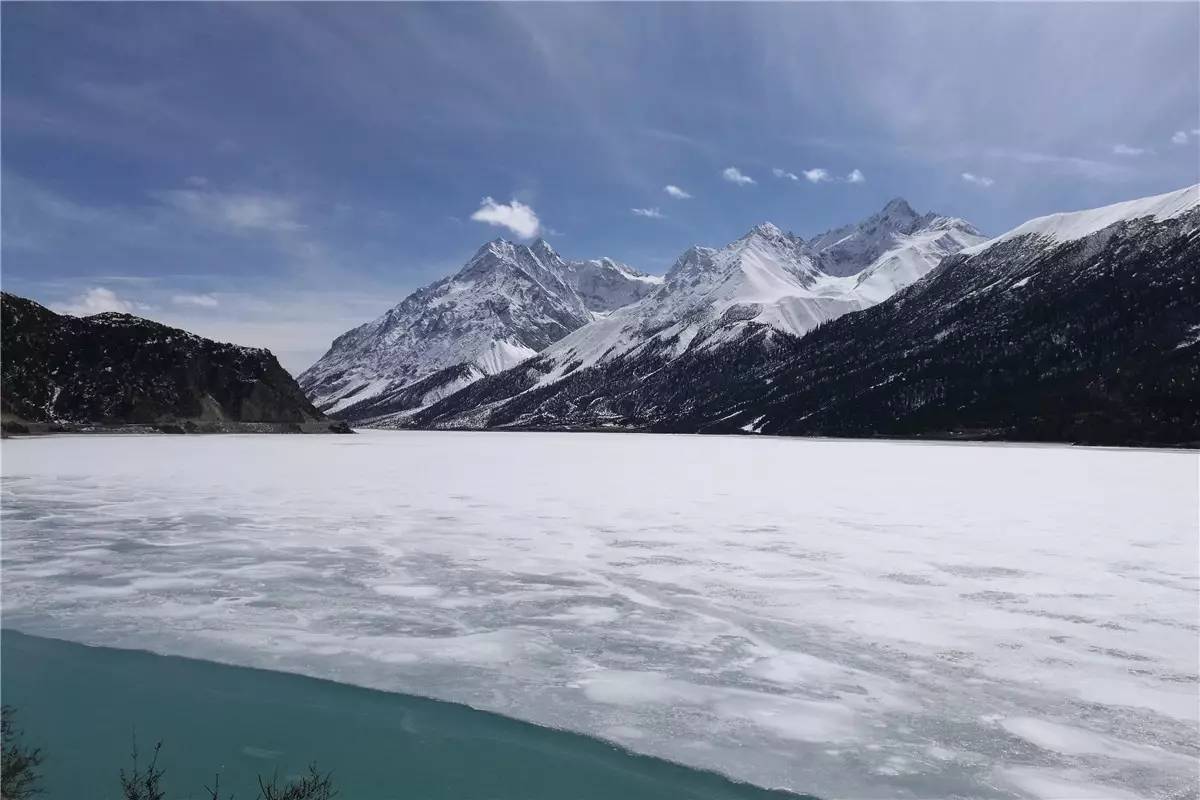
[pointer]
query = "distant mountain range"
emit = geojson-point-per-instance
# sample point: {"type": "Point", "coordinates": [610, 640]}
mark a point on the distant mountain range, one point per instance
{"type": "Point", "coordinates": [512, 302]}
{"type": "Point", "coordinates": [1078, 327]}
{"type": "Point", "coordinates": [1075, 327]}
{"type": "Point", "coordinates": [59, 372]}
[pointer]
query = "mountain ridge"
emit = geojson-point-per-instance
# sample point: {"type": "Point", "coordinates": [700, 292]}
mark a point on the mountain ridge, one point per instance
{"type": "Point", "coordinates": [1091, 339]}
{"type": "Point", "coordinates": [114, 370]}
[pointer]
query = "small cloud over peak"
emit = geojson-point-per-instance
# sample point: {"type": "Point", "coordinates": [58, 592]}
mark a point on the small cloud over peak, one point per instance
{"type": "Point", "coordinates": [977, 180]}
{"type": "Point", "coordinates": [735, 175]}
{"type": "Point", "coordinates": [97, 300]}
{"type": "Point", "coordinates": [783, 173]}
{"type": "Point", "coordinates": [1126, 150]}
{"type": "Point", "coordinates": [652, 213]}
{"type": "Point", "coordinates": [817, 175]}
{"type": "Point", "coordinates": [856, 176]}
{"type": "Point", "coordinates": [676, 192]}
{"type": "Point", "coordinates": [198, 300]}
{"type": "Point", "coordinates": [516, 216]}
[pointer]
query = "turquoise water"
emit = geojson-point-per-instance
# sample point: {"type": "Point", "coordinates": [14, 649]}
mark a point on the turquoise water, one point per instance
{"type": "Point", "coordinates": [82, 704]}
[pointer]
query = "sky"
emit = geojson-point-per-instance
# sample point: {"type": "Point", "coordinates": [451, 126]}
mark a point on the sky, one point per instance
{"type": "Point", "coordinates": [274, 174]}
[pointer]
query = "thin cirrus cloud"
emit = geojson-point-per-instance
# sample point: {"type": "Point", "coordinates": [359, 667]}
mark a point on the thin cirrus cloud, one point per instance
{"type": "Point", "coordinates": [783, 173]}
{"type": "Point", "coordinates": [1127, 150]}
{"type": "Point", "coordinates": [977, 180]}
{"type": "Point", "coordinates": [516, 216]}
{"type": "Point", "coordinates": [735, 175]}
{"type": "Point", "coordinates": [231, 211]}
{"type": "Point", "coordinates": [651, 213]}
{"type": "Point", "coordinates": [195, 300]}
{"type": "Point", "coordinates": [676, 192]}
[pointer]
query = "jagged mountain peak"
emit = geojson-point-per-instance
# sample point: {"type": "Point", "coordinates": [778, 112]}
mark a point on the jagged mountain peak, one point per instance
{"type": "Point", "coordinates": [852, 248]}
{"type": "Point", "coordinates": [767, 230]}
{"type": "Point", "coordinates": [508, 302]}
{"type": "Point", "coordinates": [542, 248]}
{"type": "Point", "coordinates": [897, 208]}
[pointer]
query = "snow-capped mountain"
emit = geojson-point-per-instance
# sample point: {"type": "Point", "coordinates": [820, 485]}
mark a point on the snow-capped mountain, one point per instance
{"type": "Point", "coordinates": [767, 278]}
{"type": "Point", "coordinates": [767, 281]}
{"type": "Point", "coordinates": [507, 303]}
{"type": "Point", "coordinates": [1072, 327]}
{"type": "Point", "coordinates": [912, 255]}
{"type": "Point", "coordinates": [709, 296]}
{"type": "Point", "coordinates": [895, 227]}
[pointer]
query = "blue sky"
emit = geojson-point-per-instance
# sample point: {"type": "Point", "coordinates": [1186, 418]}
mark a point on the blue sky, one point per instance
{"type": "Point", "coordinates": [273, 174]}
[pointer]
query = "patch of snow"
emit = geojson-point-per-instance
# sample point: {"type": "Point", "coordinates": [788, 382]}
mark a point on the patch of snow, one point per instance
{"type": "Point", "coordinates": [1069, 226]}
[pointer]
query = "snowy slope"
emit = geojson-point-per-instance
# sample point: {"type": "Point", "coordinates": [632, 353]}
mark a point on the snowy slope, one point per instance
{"type": "Point", "coordinates": [507, 303]}
{"type": "Point", "coordinates": [1073, 225]}
{"type": "Point", "coordinates": [913, 255]}
{"type": "Point", "coordinates": [767, 277]}
{"type": "Point", "coordinates": [851, 248]}
{"type": "Point", "coordinates": [770, 278]}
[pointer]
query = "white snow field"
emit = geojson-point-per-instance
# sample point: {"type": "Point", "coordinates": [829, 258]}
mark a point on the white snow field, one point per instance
{"type": "Point", "coordinates": [849, 619]}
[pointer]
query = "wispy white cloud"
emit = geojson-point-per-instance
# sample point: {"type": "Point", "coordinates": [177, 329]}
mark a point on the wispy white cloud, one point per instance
{"type": "Point", "coordinates": [735, 175]}
{"type": "Point", "coordinates": [231, 211]}
{"type": "Point", "coordinates": [1126, 150]}
{"type": "Point", "coordinates": [978, 180]}
{"type": "Point", "coordinates": [97, 300]}
{"type": "Point", "coordinates": [652, 213]}
{"type": "Point", "coordinates": [197, 300]}
{"type": "Point", "coordinates": [1180, 137]}
{"type": "Point", "coordinates": [676, 192]}
{"type": "Point", "coordinates": [1065, 165]}
{"type": "Point", "coordinates": [820, 175]}
{"type": "Point", "coordinates": [516, 216]}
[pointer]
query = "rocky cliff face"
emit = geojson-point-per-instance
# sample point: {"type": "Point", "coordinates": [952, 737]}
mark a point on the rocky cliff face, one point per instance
{"type": "Point", "coordinates": [118, 369]}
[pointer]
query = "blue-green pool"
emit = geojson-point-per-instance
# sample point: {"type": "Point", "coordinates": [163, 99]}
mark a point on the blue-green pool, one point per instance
{"type": "Point", "coordinates": [82, 705]}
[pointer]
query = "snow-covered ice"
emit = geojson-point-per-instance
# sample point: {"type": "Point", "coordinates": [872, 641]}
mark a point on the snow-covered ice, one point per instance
{"type": "Point", "coordinates": [851, 619]}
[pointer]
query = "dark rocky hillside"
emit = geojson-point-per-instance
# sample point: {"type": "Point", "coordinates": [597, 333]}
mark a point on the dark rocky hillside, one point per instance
{"type": "Point", "coordinates": [119, 370]}
{"type": "Point", "coordinates": [1095, 340]}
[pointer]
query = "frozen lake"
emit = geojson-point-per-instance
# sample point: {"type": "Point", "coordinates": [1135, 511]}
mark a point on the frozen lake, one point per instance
{"type": "Point", "coordinates": [848, 619]}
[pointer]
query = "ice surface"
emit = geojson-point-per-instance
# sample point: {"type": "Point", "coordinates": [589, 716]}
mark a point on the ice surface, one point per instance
{"type": "Point", "coordinates": [851, 619]}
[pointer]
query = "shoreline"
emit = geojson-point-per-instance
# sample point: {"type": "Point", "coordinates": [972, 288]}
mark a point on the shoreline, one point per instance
{"type": "Point", "coordinates": [468, 734]}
